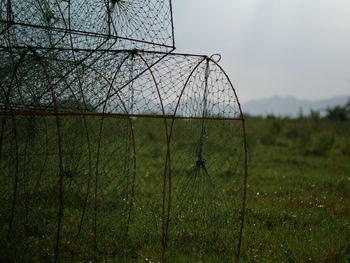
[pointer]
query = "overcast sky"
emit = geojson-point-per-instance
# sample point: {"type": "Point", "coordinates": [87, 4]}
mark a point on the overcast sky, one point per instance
{"type": "Point", "coordinates": [272, 47]}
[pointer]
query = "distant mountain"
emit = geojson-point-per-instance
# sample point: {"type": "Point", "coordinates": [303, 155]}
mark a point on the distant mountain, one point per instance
{"type": "Point", "coordinates": [290, 106]}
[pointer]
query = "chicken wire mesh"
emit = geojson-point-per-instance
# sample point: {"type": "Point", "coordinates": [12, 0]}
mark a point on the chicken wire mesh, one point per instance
{"type": "Point", "coordinates": [114, 152]}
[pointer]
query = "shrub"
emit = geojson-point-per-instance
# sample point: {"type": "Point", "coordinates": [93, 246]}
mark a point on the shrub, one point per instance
{"type": "Point", "coordinates": [321, 144]}
{"type": "Point", "coordinates": [337, 113]}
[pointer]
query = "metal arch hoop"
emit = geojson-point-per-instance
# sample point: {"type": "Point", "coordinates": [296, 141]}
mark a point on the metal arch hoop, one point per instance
{"type": "Point", "coordinates": [105, 48]}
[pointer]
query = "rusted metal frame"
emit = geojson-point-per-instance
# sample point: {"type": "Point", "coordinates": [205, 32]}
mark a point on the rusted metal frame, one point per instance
{"type": "Point", "coordinates": [132, 133]}
{"type": "Point", "coordinates": [9, 24]}
{"type": "Point", "coordinates": [176, 108]}
{"type": "Point", "coordinates": [205, 94]}
{"type": "Point", "coordinates": [134, 173]}
{"type": "Point", "coordinates": [85, 127]}
{"type": "Point", "coordinates": [93, 51]}
{"type": "Point", "coordinates": [98, 156]}
{"type": "Point", "coordinates": [127, 114]}
{"type": "Point", "coordinates": [14, 128]}
{"type": "Point", "coordinates": [9, 11]}
{"type": "Point", "coordinates": [172, 22]}
{"type": "Point", "coordinates": [48, 28]}
{"type": "Point", "coordinates": [96, 187]}
{"type": "Point", "coordinates": [62, 77]}
{"type": "Point", "coordinates": [134, 159]}
{"type": "Point", "coordinates": [167, 164]}
{"type": "Point", "coordinates": [62, 15]}
{"type": "Point", "coordinates": [89, 177]}
{"type": "Point", "coordinates": [203, 130]}
{"type": "Point", "coordinates": [233, 89]}
{"type": "Point", "coordinates": [9, 21]}
{"type": "Point", "coordinates": [129, 141]}
{"type": "Point", "coordinates": [77, 64]}
{"type": "Point", "coordinates": [138, 75]}
{"type": "Point", "coordinates": [60, 159]}
{"type": "Point", "coordinates": [68, 85]}
{"type": "Point", "coordinates": [7, 97]}
{"type": "Point", "coordinates": [86, 33]}
{"type": "Point", "coordinates": [9, 50]}
{"type": "Point", "coordinates": [20, 81]}
{"type": "Point", "coordinates": [109, 19]}
{"type": "Point", "coordinates": [116, 115]}
{"type": "Point", "coordinates": [170, 135]}
{"type": "Point", "coordinates": [245, 163]}
{"type": "Point", "coordinates": [41, 108]}
{"type": "Point", "coordinates": [110, 50]}
{"type": "Point", "coordinates": [204, 109]}
{"type": "Point", "coordinates": [65, 33]}
{"type": "Point", "coordinates": [48, 66]}
{"type": "Point", "coordinates": [180, 97]}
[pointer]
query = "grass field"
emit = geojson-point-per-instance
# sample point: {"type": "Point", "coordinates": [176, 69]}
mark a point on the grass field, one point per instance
{"type": "Point", "coordinates": [298, 207]}
{"type": "Point", "coordinates": [298, 191]}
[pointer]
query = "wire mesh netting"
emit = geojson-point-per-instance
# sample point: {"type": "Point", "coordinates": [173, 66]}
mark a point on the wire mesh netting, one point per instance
{"type": "Point", "coordinates": [110, 151]}
{"type": "Point", "coordinates": [89, 24]}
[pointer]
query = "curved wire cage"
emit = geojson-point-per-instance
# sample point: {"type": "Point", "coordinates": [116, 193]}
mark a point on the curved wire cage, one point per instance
{"type": "Point", "coordinates": [89, 24]}
{"type": "Point", "coordinates": [112, 152]}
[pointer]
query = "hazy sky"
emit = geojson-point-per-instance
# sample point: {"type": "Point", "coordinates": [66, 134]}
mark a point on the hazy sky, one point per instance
{"type": "Point", "coordinates": [272, 47]}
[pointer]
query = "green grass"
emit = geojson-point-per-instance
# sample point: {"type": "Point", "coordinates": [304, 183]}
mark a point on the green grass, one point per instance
{"type": "Point", "coordinates": [298, 201]}
{"type": "Point", "coordinates": [298, 192]}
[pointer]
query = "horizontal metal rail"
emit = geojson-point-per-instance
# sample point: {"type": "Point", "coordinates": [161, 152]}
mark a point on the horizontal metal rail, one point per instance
{"type": "Point", "coordinates": [115, 115]}
{"type": "Point", "coordinates": [84, 33]}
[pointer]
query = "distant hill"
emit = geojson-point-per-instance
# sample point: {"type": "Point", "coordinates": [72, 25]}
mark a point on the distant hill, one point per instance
{"type": "Point", "coordinates": [290, 106]}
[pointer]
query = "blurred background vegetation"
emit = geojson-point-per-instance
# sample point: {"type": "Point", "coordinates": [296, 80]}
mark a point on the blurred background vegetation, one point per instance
{"type": "Point", "coordinates": [299, 188]}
